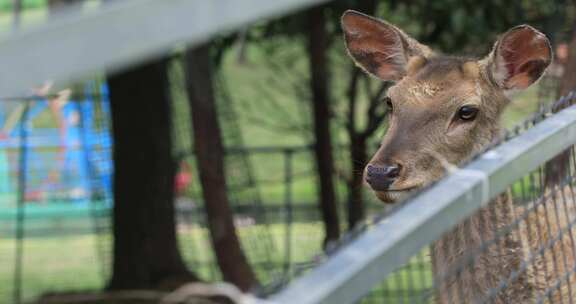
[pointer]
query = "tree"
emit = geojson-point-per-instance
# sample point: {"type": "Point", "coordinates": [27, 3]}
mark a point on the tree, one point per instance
{"type": "Point", "coordinates": [209, 150]}
{"type": "Point", "coordinates": [319, 84]}
{"type": "Point", "coordinates": [556, 170]}
{"type": "Point", "coordinates": [369, 105]}
{"type": "Point", "coordinates": [55, 6]}
{"type": "Point", "coordinates": [16, 11]}
{"type": "Point", "coordinates": [145, 254]}
{"type": "Point", "coordinates": [359, 136]}
{"type": "Point", "coordinates": [568, 81]}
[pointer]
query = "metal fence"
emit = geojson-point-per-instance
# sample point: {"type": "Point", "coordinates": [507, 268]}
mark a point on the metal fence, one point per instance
{"type": "Point", "coordinates": [502, 232]}
{"type": "Point", "coordinates": [45, 219]}
{"type": "Point", "coordinates": [94, 42]}
{"type": "Point", "coordinates": [497, 232]}
{"type": "Point", "coordinates": [51, 227]}
{"type": "Point", "coordinates": [76, 46]}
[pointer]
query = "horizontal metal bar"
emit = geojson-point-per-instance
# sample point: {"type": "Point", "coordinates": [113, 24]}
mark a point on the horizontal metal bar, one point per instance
{"type": "Point", "coordinates": [121, 34]}
{"type": "Point", "coordinates": [356, 269]}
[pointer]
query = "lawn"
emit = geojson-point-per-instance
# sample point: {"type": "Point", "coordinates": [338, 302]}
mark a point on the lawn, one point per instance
{"type": "Point", "coordinates": [53, 263]}
{"type": "Point", "coordinates": [34, 13]}
{"type": "Point", "coordinates": [75, 262]}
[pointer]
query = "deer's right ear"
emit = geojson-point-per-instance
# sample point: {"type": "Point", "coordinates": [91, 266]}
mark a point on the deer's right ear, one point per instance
{"type": "Point", "coordinates": [519, 58]}
{"type": "Point", "coordinates": [379, 48]}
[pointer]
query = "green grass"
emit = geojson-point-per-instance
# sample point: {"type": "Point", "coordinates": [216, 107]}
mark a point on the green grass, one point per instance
{"type": "Point", "coordinates": [59, 263]}
{"type": "Point", "coordinates": [73, 263]}
{"type": "Point", "coordinates": [29, 18]}
{"type": "Point", "coordinates": [55, 263]}
{"type": "Point", "coordinates": [306, 239]}
{"type": "Point", "coordinates": [34, 13]}
{"type": "Point", "coordinates": [6, 5]}
{"type": "Point", "coordinates": [522, 106]}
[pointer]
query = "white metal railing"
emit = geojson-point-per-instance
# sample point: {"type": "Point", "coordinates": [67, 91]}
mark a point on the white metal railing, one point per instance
{"type": "Point", "coordinates": [132, 31]}
{"type": "Point", "coordinates": [353, 271]}
{"type": "Point", "coordinates": [121, 34]}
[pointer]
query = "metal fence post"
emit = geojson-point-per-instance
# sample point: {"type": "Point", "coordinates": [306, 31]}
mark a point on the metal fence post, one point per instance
{"type": "Point", "coordinates": [20, 213]}
{"type": "Point", "coordinates": [288, 154]}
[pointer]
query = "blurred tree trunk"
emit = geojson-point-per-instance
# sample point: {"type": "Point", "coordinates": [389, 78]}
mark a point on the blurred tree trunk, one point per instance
{"type": "Point", "coordinates": [210, 159]}
{"type": "Point", "coordinates": [318, 61]}
{"type": "Point", "coordinates": [16, 13]}
{"type": "Point", "coordinates": [568, 81]}
{"type": "Point", "coordinates": [146, 253]}
{"type": "Point", "coordinates": [359, 137]}
{"type": "Point", "coordinates": [54, 6]}
{"type": "Point", "coordinates": [358, 155]}
{"type": "Point", "coordinates": [556, 170]}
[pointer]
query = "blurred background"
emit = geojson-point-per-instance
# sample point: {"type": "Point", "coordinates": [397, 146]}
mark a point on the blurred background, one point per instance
{"type": "Point", "coordinates": [238, 160]}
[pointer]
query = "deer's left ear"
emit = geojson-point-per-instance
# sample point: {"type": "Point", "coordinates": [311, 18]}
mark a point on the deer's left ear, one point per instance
{"type": "Point", "coordinates": [519, 58]}
{"type": "Point", "coordinates": [380, 48]}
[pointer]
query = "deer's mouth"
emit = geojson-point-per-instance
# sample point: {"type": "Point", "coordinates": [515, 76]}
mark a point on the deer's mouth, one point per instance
{"type": "Point", "coordinates": [391, 196]}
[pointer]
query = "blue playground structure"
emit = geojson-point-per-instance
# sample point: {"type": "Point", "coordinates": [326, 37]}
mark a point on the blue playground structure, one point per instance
{"type": "Point", "coordinates": [65, 149]}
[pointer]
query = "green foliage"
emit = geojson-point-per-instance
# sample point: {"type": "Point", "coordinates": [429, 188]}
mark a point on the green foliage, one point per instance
{"type": "Point", "coordinates": [7, 5]}
{"type": "Point", "coordinates": [468, 26]}
{"type": "Point", "coordinates": [461, 26]}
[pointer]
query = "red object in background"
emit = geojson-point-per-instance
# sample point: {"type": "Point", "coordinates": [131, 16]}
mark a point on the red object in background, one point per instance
{"type": "Point", "coordinates": [182, 180]}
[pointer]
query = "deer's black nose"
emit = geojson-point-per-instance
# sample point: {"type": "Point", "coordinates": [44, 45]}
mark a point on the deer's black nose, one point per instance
{"type": "Point", "coordinates": [380, 178]}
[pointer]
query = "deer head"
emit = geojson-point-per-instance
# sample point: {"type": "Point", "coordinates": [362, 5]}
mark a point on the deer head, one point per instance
{"type": "Point", "coordinates": [444, 109]}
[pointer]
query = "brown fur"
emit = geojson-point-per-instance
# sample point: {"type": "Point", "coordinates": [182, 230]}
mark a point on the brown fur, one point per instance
{"type": "Point", "coordinates": [426, 136]}
{"type": "Point", "coordinates": [463, 281]}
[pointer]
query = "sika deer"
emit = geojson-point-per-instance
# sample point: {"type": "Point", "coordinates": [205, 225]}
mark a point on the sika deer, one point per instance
{"type": "Point", "coordinates": [444, 110]}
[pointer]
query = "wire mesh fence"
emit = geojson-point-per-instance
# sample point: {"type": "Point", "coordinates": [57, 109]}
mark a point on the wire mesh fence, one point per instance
{"type": "Point", "coordinates": [55, 215]}
{"type": "Point", "coordinates": [56, 191]}
{"type": "Point", "coordinates": [518, 247]}
{"type": "Point", "coordinates": [58, 199]}
{"type": "Point", "coordinates": [282, 238]}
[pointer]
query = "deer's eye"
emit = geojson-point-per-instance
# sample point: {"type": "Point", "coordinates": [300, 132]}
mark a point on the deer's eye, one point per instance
{"type": "Point", "coordinates": [388, 102]}
{"type": "Point", "coordinates": [467, 113]}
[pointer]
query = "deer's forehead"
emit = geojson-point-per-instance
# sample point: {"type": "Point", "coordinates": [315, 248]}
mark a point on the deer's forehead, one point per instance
{"type": "Point", "coordinates": [439, 80]}
{"type": "Point", "coordinates": [434, 92]}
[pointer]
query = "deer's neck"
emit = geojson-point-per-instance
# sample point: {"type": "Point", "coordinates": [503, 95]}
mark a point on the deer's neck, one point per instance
{"type": "Point", "coordinates": [463, 275]}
